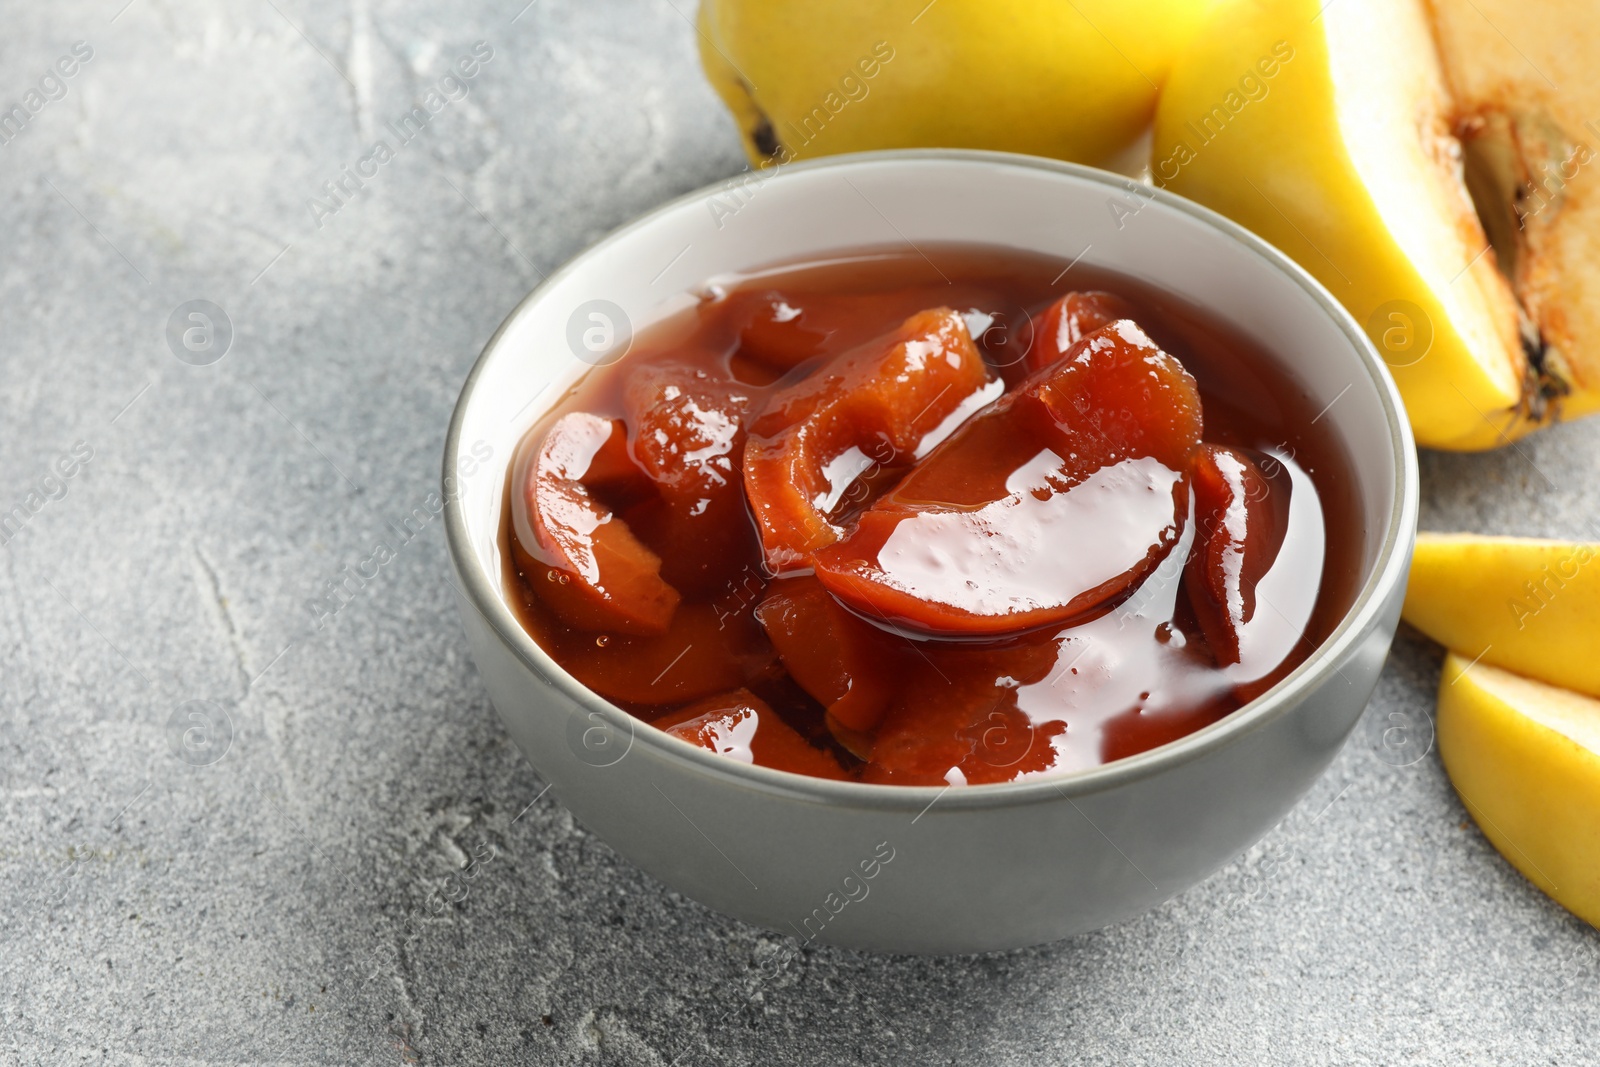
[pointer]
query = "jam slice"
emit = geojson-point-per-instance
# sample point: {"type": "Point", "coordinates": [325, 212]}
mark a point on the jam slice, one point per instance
{"type": "Point", "coordinates": [687, 430]}
{"type": "Point", "coordinates": [845, 664]}
{"type": "Point", "coordinates": [1045, 506]}
{"type": "Point", "coordinates": [1068, 321]}
{"type": "Point", "coordinates": [688, 436]}
{"type": "Point", "coordinates": [704, 651]}
{"type": "Point", "coordinates": [957, 719]}
{"type": "Point", "coordinates": [741, 726]}
{"type": "Point", "coordinates": [1238, 536]}
{"type": "Point", "coordinates": [782, 330]}
{"type": "Point", "coordinates": [882, 404]}
{"type": "Point", "coordinates": [586, 563]}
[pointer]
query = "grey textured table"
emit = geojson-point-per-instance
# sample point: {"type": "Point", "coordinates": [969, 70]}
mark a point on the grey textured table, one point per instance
{"type": "Point", "coordinates": [296, 900]}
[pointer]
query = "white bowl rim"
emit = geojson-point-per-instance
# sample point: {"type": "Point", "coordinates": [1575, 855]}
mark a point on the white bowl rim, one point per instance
{"type": "Point", "coordinates": [1388, 570]}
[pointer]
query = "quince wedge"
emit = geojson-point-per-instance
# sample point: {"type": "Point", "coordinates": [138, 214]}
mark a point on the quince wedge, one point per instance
{"type": "Point", "coordinates": [1525, 759]}
{"type": "Point", "coordinates": [1528, 605]}
{"type": "Point", "coordinates": [1074, 80]}
{"type": "Point", "coordinates": [1334, 130]}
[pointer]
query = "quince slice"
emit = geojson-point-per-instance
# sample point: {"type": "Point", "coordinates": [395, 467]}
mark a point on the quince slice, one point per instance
{"type": "Point", "coordinates": [1528, 605]}
{"type": "Point", "coordinates": [1046, 505]}
{"type": "Point", "coordinates": [1525, 758]}
{"type": "Point", "coordinates": [741, 726]}
{"type": "Point", "coordinates": [882, 405]}
{"type": "Point", "coordinates": [587, 564]}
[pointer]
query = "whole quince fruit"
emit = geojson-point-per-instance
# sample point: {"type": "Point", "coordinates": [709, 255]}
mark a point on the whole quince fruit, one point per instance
{"type": "Point", "coordinates": [1074, 80]}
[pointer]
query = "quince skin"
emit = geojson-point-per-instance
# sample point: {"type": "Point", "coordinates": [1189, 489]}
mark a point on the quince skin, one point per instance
{"type": "Point", "coordinates": [1073, 80]}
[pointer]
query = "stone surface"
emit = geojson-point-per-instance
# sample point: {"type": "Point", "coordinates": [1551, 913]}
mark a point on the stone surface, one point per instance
{"type": "Point", "coordinates": [300, 900]}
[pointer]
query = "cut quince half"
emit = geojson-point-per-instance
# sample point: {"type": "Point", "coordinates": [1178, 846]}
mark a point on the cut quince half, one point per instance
{"type": "Point", "coordinates": [1527, 110]}
{"type": "Point", "coordinates": [1525, 758]}
{"type": "Point", "coordinates": [1528, 605]}
{"type": "Point", "coordinates": [1333, 131]}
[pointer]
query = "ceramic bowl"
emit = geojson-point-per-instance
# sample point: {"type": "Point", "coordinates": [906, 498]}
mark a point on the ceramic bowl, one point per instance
{"type": "Point", "coordinates": [928, 870]}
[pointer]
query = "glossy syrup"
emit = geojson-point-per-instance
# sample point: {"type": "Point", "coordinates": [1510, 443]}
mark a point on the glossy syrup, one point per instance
{"type": "Point", "coordinates": [1129, 679]}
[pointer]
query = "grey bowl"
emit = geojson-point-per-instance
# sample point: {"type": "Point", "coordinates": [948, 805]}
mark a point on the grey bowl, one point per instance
{"type": "Point", "coordinates": [929, 870]}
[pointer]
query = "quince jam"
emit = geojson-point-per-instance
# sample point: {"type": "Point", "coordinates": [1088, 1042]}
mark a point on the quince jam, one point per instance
{"type": "Point", "coordinates": [963, 517]}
